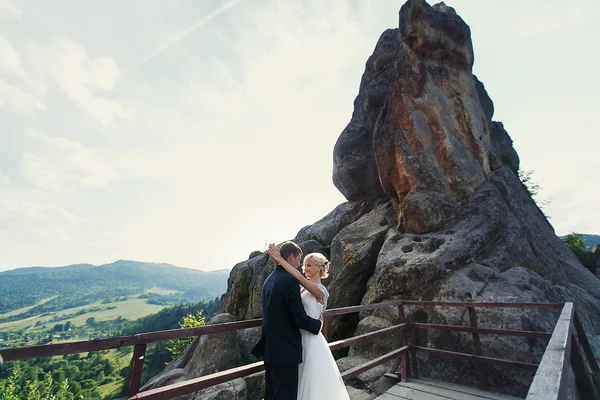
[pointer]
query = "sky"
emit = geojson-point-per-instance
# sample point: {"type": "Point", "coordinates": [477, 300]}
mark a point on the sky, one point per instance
{"type": "Point", "coordinates": [193, 132]}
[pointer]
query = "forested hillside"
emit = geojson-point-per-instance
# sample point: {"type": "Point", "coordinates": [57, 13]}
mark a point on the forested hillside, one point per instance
{"type": "Point", "coordinates": [54, 289]}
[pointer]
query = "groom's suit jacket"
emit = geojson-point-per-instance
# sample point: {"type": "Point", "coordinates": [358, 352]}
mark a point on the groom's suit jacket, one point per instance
{"type": "Point", "coordinates": [283, 317]}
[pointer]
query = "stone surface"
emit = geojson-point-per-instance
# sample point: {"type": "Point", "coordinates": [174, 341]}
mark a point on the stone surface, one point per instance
{"type": "Point", "coordinates": [354, 168]}
{"type": "Point", "coordinates": [436, 211]}
{"type": "Point", "coordinates": [206, 355]}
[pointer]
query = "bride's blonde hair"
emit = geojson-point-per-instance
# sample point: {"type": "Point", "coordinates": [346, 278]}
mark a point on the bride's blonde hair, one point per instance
{"type": "Point", "coordinates": [321, 260]}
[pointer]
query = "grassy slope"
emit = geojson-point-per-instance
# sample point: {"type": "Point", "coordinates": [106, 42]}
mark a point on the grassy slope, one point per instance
{"type": "Point", "coordinates": [24, 309]}
{"type": "Point", "coordinates": [131, 309]}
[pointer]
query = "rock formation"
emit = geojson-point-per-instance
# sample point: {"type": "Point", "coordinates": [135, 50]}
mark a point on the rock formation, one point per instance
{"type": "Point", "coordinates": [435, 211]}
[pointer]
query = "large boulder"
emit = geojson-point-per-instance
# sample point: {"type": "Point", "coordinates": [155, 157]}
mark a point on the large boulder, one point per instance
{"type": "Point", "coordinates": [206, 355]}
{"type": "Point", "coordinates": [436, 212]}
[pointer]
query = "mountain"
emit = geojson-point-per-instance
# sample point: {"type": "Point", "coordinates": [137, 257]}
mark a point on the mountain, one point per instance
{"type": "Point", "coordinates": [590, 240]}
{"type": "Point", "coordinates": [436, 211]}
{"type": "Point", "coordinates": [81, 284]}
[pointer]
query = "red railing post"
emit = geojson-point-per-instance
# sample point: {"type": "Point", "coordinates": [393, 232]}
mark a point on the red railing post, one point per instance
{"type": "Point", "coordinates": [410, 327]}
{"type": "Point", "coordinates": [135, 369]}
{"type": "Point", "coordinates": [401, 360]}
{"type": "Point", "coordinates": [477, 345]}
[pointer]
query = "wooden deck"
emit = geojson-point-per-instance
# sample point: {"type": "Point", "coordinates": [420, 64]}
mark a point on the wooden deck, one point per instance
{"type": "Point", "coordinates": [429, 389]}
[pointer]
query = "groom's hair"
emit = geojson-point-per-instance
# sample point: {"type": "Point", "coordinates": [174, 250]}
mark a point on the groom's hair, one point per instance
{"type": "Point", "coordinates": [289, 248]}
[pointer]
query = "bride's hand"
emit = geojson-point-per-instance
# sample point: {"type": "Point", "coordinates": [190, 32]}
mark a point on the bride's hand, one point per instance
{"type": "Point", "coordinates": [274, 253]}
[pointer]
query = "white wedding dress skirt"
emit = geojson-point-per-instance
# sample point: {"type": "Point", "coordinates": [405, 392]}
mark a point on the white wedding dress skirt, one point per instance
{"type": "Point", "coordinates": [318, 375]}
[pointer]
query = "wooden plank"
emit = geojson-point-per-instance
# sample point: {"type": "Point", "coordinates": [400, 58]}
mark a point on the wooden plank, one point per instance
{"type": "Point", "coordinates": [135, 370]}
{"type": "Point", "coordinates": [551, 378]}
{"type": "Point", "coordinates": [477, 347]}
{"type": "Point", "coordinates": [417, 393]}
{"type": "Point", "coordinates": [472, 357]}
{"type": "Point", "coordinates": [488, 331]}
{"type": "Point", "coordinates": [585, 343]}
{"type": "Point", "coordinates": [586, 387]}
{"type": "Point", "coordinates": [468, 390]}
{"type": "Point", "coordinates": [193, 385]}
{"type": "Point", "coordinates": [373, 363]}
{"type": "Point", "coordinates": [482, 304]}
{"type": "Point", "coordinates": [360, 338]}
{"type": "Point", "coordinates": [449, 392]}
{"type": "Point", "coordinates": [387, 396]}
{"type": "Point", "coordinates": [50, 350]}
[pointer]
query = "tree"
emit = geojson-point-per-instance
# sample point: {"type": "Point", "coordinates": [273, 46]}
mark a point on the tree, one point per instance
{"type": "Point", "coordinates": [533, 188]}
{"type": "Point", "coordinates": [575, 242]}
{"type": "Point", "coordinates": [90, 321]}
{"type": "Point", "coordinates": [178, 346]}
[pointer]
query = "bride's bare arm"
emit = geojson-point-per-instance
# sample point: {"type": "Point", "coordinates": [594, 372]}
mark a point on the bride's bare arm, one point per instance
{"type": "Point", "coordinates": [308, 285]}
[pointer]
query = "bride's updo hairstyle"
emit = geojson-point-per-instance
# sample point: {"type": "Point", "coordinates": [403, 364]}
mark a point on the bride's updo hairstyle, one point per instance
{"type": "Point", "coordinates": [320, 260]}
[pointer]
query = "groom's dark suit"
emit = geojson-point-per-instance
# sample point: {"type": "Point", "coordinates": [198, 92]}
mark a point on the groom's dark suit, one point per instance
{"type": "Point", "coordinates": [281, 343]}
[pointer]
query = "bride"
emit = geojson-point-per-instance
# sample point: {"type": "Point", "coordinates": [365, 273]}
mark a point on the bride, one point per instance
{"type": "Point", "coordinates": [318, 375]}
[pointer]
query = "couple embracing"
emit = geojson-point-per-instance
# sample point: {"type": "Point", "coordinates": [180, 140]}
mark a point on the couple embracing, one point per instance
{"type": "Point", "coordinates": [298, 362]}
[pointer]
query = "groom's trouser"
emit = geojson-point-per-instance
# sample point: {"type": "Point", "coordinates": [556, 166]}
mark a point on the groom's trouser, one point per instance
{"type": "Point", "coordinates": [281, 382]}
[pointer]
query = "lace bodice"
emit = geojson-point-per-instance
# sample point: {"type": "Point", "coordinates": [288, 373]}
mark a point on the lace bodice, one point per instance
{"type": "Point", "coordinates": [313, 308]}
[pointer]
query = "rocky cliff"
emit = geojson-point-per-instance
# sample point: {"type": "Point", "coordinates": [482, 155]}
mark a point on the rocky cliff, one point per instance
{"type": "Point", "coordinates": [435, 211]}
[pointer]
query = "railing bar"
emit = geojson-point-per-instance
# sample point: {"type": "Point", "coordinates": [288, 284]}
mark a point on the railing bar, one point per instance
{"type": "Point", "coordinates": [583, 379]}
{"type": "Point", "coordinates": [193, 385]}
{"type": "Point", "coordinates": [476, 358]}
{"type": "Point", "coordinates": [583, 339]}
{"type": "Point", "coordinates": [482, 304]}
{"type": "Point", "coordinates": [488, 331]}
{"type": "Point", "coordinates": [350, 341]}
{"type": "Point", "coordinates": [366, 307]}
{"type": "Point", "coordinates": [50, 350]}
{"type": "Point", "coordinates": [373, 363]}
{"type": "Point", "coordinates": [24, 353]}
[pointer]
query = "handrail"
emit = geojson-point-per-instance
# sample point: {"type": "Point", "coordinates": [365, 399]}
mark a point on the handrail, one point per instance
{"type": "Point", "coordinates": [406, 328]}
{"type": "Point", "coordinates": [551, 379]}
{"type": "Point", "coordinates": [49, 350]}
{"type": "Point", "coordinates": [481, 304]}
{"type": "Point", "coordinates": [488, 331]}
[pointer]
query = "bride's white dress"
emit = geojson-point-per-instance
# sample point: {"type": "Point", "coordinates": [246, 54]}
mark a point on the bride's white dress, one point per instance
{"type": "Point", "coordinates": [318, 375]}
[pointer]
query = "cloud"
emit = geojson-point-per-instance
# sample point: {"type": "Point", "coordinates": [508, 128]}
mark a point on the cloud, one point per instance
{"type": "Point", "coordinates": [181, 34]}
{"type": "Point", "coordinates": [8, 9]}
{"type": "Point", "coordinates": [82, 78]}
{"type": "Point", "coordinates": [63, 164]}
{"type": "Point", "coordinates": [26, 221]}
{"type": "Point", "coordinates": [18, 89]}
{"type": "Point", "coordinates": [4, 180]}
{"type": "Point", "coordinates": [539, 17]}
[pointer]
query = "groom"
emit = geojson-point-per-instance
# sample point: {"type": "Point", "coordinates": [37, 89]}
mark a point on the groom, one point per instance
{"type": "Point", "coordinates": [283, 317]}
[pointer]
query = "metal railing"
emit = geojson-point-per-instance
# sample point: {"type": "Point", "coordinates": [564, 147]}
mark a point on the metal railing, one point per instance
{"type": "Point", "coordinates": [404, 356]}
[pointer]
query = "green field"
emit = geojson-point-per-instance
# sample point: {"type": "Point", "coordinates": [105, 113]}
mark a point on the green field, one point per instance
{"type": "Point", "coordinates": [121, 359]}
{"type": "Point", "coordinates": [25, 309]}
{"type": "Point", "coordinates": [162, 291]}
{"type": "Point", "coordinates": [131, 309]}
